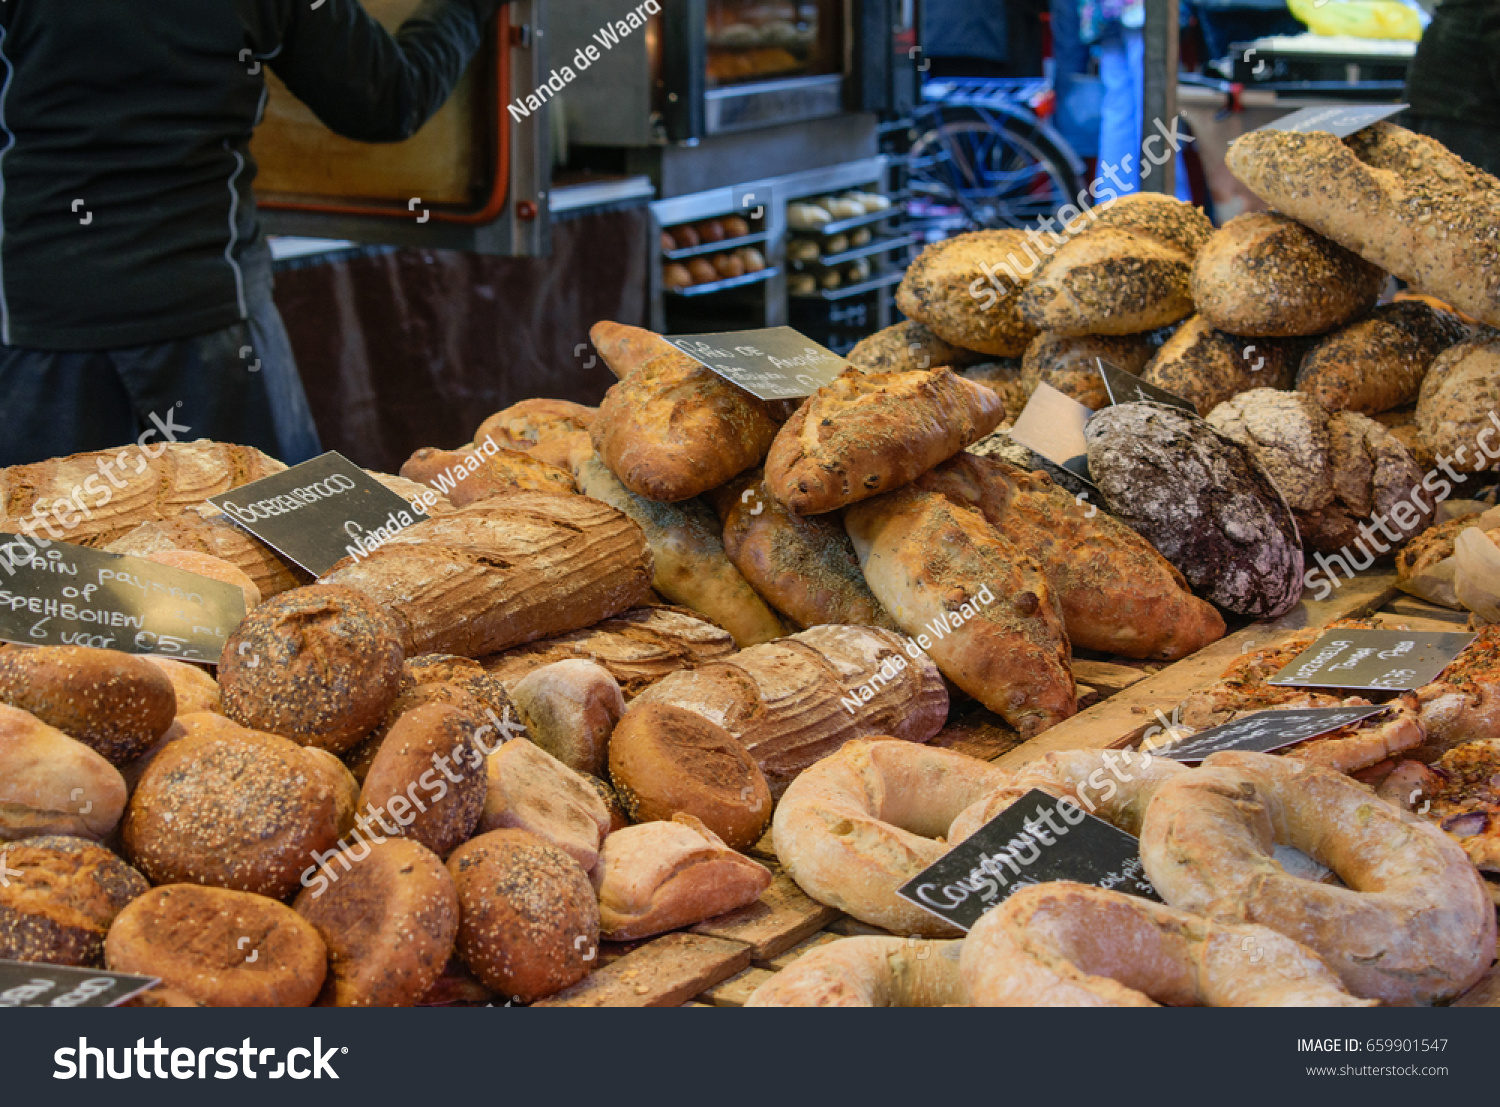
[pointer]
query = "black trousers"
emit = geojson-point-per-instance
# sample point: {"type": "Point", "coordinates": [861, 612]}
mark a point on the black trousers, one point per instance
{"type": "Point", "coordinates": [238, 384]}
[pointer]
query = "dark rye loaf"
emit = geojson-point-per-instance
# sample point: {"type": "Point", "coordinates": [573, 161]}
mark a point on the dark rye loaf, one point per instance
{"type": "Point", "coordinates": [1203, 502]}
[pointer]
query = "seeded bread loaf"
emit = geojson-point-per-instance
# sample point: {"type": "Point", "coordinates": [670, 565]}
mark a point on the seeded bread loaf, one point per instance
{"type": "Point", "coordinates": [865, 434]}
{"type": "Point", "coordinates": [1206, 366]}
{"type": "Point", "coordinates": [61, 896]}
{"type": "Point", "coordinates": [1378, 363]}
{"type": "Point", "coordinates": [1003, 377]}
{"type": "Point", "coordinates": [1070, 363]}
{"type": "Point", "coordinates": [1203, 502]}
{"type": "Point", "coordinates": [1400, 200]}
{"type": "Point", "coordinates": [1459, 402]}
{"type": "Point", "coordinates": [965, 290]}
{"type": "Point", "coordinates": [523, 425]}
{"type": "Point", "coordinates": [1265, 274]}
{"type": "Point", "coordinates": [906, 346]}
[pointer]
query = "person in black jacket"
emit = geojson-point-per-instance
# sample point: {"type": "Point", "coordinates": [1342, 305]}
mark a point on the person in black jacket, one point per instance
{"type": "Point", "coordinates": [1454, 82]}
{"type": "Point", "coordinates": [135, 282]}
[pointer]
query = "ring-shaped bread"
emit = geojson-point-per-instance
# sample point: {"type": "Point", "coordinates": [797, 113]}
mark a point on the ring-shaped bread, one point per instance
{"type": "Point", "coordinates": [1414, 925]}
{"type": "Point", "coordinates": [1063, 944]}
{"type": "Point", "coordinates": [868, 972]}
{"type": "Point", "coordinates": [864, 820]}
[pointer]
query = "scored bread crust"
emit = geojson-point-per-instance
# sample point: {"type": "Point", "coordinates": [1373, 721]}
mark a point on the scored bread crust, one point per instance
{"type": "Point", "coordinates": [952, 290]}
{"type": "Point", "coordinates": [929, 561]}
{"type": "Point", "coordinates": [216, 536]}
{"type": "Point", "coordinates": [497, 474]}
{"type": "Point", "coordinates": [906, 346]}
{"type": "Point", "coordinates": [1265, 274]}
{"type": "Point", "coordinates": [674, 429]}
{"type": "Point", "coordinates": [864, 434]}
{"type": "Point", "coordinates": [1379, 363]}
{"type": "Point", "coordinates": [1400, 200]}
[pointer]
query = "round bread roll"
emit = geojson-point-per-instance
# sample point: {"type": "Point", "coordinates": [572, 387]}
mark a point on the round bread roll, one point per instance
{"type": "Point", "coordinates": [751, 258]}
{"type": "Point", "coordinates": [245, 811]}
{"type": "Point", "coordinates": [1379, 362]}
{"type": "Point", "coordinates": [729, 265]}
{"type": "Point", "coordinates": [341, 780]}
{"type": "Point", "coordinates": [529, 923]}
{"type": "Point", "coordinates": [906, 346]}
{"type": "Point", "coordinates": [949, 290]}
{"type": "Point", "coordinates": [1203, 502]}
{"type": "Point", "coordinates": [685, 236]}
{"type": "Point", "coordinates": [1264, 274]}
{"type": "Point", "coordinates": [702, 271]}
{"type": "Point", "coordinates": [214, 568]}
{"type": "Point", "coordinates": [362, 756]}
{"type": "Point", "coordinates": [1069, 363]}
{"type": "Point", "coordinates": [734, 226]}
{"type": "Point", "coordinates": [51, 784]}
{"type": "Point", "coordinates": [61, 896]}
{"type": "Point", "coordinates": [664, 759]}
{"type": "Point", "coordinates": [570, 709]}
{"type": "Point", "coordinates": [221, 948]}
{"type": "Point", "coordinates": [1458, 404]}
{"type": "Point", "coordinates": [1206, 366]}
{"type": "Point", "coordinates": [429, 777]}
{"type": "Point", "coordinates": [676, 275]}
{"type": "Point", "coordinates": [320, 665]}
{"type": "Point", "coordinates": [389, 921]}
{"type": "Point", "coordinates": [115, 703]}
{"type": "Point", "coordinates": [195, 689]}
{"type": "Point", "coordinates": [529, 789]}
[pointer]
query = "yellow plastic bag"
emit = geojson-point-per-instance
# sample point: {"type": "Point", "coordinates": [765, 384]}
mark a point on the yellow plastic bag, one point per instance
{"type": "Point", "coordinates": [1359, 18]}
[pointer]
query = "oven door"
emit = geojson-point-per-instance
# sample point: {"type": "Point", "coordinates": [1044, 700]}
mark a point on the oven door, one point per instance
{"type": "Point", "coordinates": [473, 178]}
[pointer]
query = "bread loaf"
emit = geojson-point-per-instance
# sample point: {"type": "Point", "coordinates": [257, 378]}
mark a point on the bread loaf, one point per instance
{"type": "Point", "coordinates": [504, 571]}
{"type": "Point", "coordinates": [214, 568]}
{"type": "Point", "coordinates": [906, 346]}
{"type": "Point", "coordinates": [1206, 366]}
{"type": "Point", "coordinates": [217, 536]}
{"type": "Point", "coordinates": [429, 500]}
{"type": "Point", "coordinates": [465, 476]}
{"type": "Point", "coordinates": [1400, 200]}
{"type": "Point", "coordinates": [1459, 401]}
{"type": "Point", "coordinates": [570, 709]}
{"type": "Point", "coordinates": [982, 609]}
{"type": "Point", "coordinates": [674, 429]}
{"type": "Point", "coordinates": [1264, 274]}
{"type": "Point", "coordinates": [51, 784]}
{"type": "Point", "coordinates": [428, 777]}
{"type": "Point", "coordinates": [1005, 378]}
{"type": "Point", "coordinates": [805, 565]}
{"type": "Point", "coordinates": [193, 689]}
{"type": "Point", "coordinates": [1070, 363]}
{"type": "Point", "coordinates": [659, 876]}
{"type": "Point", "coordinates": [1116, 593]}
{"type": "Point", "coordinates": [531, 422]}
{"type": "Point", "coordinates": [865, 434]}
{"type": "Point", "coordinates": [529, 789]}
{"type": "Point", "coordinates": [115, 703]}
{"type": "Point", "coordinates": [59, 899]}
{"type": "Point", "coordinates": [637, 648]}
{"type": "Point", "coordinates": [687, 552]}
{"type": "Point", "coordinates": [954, 288]}
{"type": "Point", "coordinates": [1203, 502]}
{"type": "Point", "coordinates": [795, 700]}
{"type": "Point", "coordinates": [90, 499]}
{"type": "Point", "coordinates": [1378, 363]}
{"type": "Point", "coordinates": [1338, 471]}
{"type": "Point", "coordinates": [1125, 272]}
{"type": "Point", "coordinates": [625, 348]}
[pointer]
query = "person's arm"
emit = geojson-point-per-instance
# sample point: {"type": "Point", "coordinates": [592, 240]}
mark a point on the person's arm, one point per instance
{"type": "Point", "coordinates": [364, 82]}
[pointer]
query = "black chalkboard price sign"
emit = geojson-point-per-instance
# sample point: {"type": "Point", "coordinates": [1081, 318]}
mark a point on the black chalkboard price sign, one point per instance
{"type": "Point", "coordinates": [1037, 839]}
{"type": "Point", "coordinates": [1373, 660]}
{"type": "Point", "coordinates": [1266, 731]}
{"type": "Point", "coordinates": [1127, 388]}
{"type": "Point", "coordinates": [31, 984]}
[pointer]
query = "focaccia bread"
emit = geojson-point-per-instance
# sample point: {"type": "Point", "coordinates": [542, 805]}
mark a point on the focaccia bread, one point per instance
{"type": "Point", "coordinates": [1378, 363]}
{"type": "Point", "coordinates": [965, 290]}
{"type": "Point", "coordinates": [864, 434]}
{"type": "Point", "coordinates": [1400, 200]}
{"type": "Point", "coordinates": [504, 571]}
{"type": "Point", "coordinates": [1117, 594]}
{"type": "Point", "coordinates": [1265, 274]}
{"type": "Point", "coordinates": [906, 346]}
{"type": "Point", "coordinates": [691, 566]}
{"type": "Point", "coordinates": [980, 607]}
{"type": "Point", "coordinates": [673, 429]}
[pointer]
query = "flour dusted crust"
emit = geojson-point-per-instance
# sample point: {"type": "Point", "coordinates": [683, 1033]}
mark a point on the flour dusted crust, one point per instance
{"type": "Point", "coordinates": [865, 434]}
{"type": "Point", "coordinates": [906, 346]}
{"type": "Point", "coordinates": [1400, 200]}
{"type": "Point", "coordinates": [1069, 363]}
{"type": "Point", "coordinates": [1459, 397]}
{"type": "Point", "coordinates": [1379, 362]}
{"type": "Point", "coordinates": [1265, 274]}
{"type": "Point", "coordinates": [1203, 502]}
{"type": "Point", "coordinates": [1206, 366]}
{"type": "Point", "coordinates": [950, 291]}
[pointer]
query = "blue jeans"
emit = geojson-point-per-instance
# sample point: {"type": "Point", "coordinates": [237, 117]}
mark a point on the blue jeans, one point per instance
{"type": "Point", "coordinates": [1122, 70]}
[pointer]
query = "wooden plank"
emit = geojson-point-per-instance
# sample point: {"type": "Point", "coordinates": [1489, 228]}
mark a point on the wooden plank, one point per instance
{"type": "Point", "coordinates": [786, 957]}
{"type": "Point", "coordinates": [736, 990]}
{"type": "Point", "coordinates": [1421, 609]}
{"type": "Point", "coordinates": [1120, 719]}
{"type": "Point", "coordinates": [782, 917]}
{"type": "Point", "coordinates": [1421, 622]}
{"type": "Point", "coordinates": [1107, 676]}
{"type": "Point", "coordinates": [979, 733]}
{"type": "Point", "coordinates": [764, 849]}
{"type": "Point", "coordinates": [849, 927]}
{"type": "Point", "coordinates": [665, 972]}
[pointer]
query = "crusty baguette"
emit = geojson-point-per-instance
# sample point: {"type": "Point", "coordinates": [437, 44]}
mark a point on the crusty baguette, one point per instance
{"type": "Point", "coordinates": [1126, 271]}
{"type": "Point", "coordinates": [906, 346]}
{"type": "Point", "coordinates": [691, 567]}
{"type": "Point", "coordinates": [625, 348]}
{"type": "Point", "coordinates": [964, 289]}
{"type": "Point", "coordinates": [91, 499]}
{"type": "Point", "coordinates": [1116, 592]}
{"type": "Point", "coordinates": [805, 565]}
{"type": "Point", "coordinates": [637, 648]}
{"type": "Point", "coordinates": [524, 424]}
{"type": "Point", "coordinates": [1378, 363]}
{"type": "Point", "coordinates": [794, 701]}
{"type": "Point", "coordinates": [1265, 274]}
{"type": "Point", "coordinates": [504, 571]}
{"type": "Point", "coordinates": [865, 434]}
{"type": "Point", "coordinates": [1205, 366]}
{"type": "Point", "coordinates": [673, 429]}
{"type": "Point", "coordinates": [980, 607]}
{"type": "Point", "coordinates": [465, 476]}
{"type": "Point", "coordinates": [1400, 200]}
{"type": "Point", "coordinates": [217, 536]}
{"type": "Point", "coordinates": [1069, 363]}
